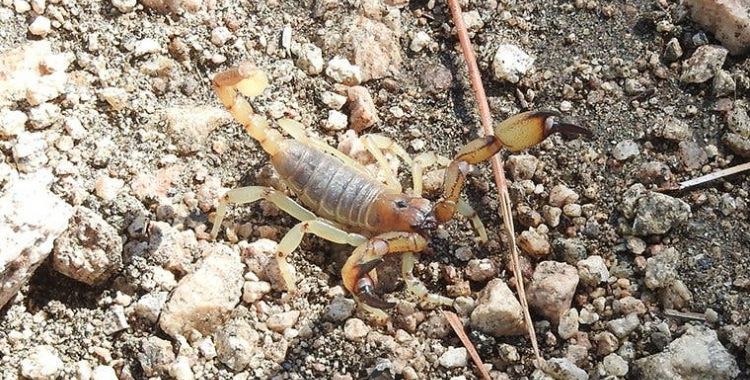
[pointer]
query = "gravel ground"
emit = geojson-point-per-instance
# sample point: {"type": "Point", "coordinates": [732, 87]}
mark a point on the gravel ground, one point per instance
{"type": "Point", "coordinates": [114, 151]}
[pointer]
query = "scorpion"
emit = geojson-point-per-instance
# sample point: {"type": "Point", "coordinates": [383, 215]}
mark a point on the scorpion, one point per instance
{"type": "Point", "coordinates": [352, 207]}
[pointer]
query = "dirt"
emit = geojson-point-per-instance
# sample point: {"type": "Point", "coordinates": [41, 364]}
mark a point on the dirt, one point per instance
{"type": "Point", "coordinates": [585, 45]}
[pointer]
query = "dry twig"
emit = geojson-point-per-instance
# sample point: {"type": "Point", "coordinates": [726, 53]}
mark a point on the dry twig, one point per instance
{"type": "Point", "coordinates": [458, 327]}
{"type": "Point", "coordinates": [497, 165]}
{"type": "Point", "coordinates": [708, 177]}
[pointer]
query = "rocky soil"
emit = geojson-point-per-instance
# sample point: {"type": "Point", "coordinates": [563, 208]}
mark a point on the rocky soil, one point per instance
{"type": "Point", "coordinates": [114, 151]}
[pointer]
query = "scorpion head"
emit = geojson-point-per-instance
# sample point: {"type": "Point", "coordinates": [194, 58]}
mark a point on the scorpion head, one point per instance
{"type": "Point", "coordinates": [401, 212]}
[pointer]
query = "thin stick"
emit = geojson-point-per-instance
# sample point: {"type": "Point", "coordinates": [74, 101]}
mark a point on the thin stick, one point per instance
{"type": "Point", "coordinates": [458, 327]}
{"type": "Point", "coordinates": [497, 166]}
{"type": "Point", "coordinates": [709, 177]}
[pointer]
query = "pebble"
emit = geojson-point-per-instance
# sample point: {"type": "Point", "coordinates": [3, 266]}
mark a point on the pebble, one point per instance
{"type": "Point", "coordinates": [661, 270]}
{"type": "Point", "coordinates": [614, 365]}
{"type": "Point", "coordinates": [41, 26]}
{"type": "Point", "coordinates": [572, 210]}
{"type": "Point", "coordinates": [551, 215]}
{"type": "Point", "coordinates": [355, 330]}
{"type": "Point", "coordinates": [561, 195]}
{"type": "Point", "coordinates": [698, 354]}
{"type": "Point", "coordinates": [282, 321]}
{"type": "Point", "coordinates": [202, 299]}
{"type": "Point", "coordinates": [673, 129]}
{"type": "Point", "coordinates": [628, 305]}
{"type": "Point", "coordinates": [606, 343]}
{"type": "Point", "coordinates": [362, 111]}
{"type": "Point", "coordinates": [497, 311]}
{"type": "Point", "coordinates": [570, 250]}
{"type": "Point", "coordinates": [480, 270]}
{"type": "Point", "coordinates": [124, 6]}
{"type": "Point", "coordinates": [728, 21]}
{"type": "Point", "coordinates": [103, 372]}
{"type": "Point", "coordinates": [44, 115]}
{"type": "Point", "coordinates": [149, 306]}
{"type": "Point", "coordinates": [673, 50]}
{"type": "Point", "coordinates": [107, 187]}
{"type": "Point", "coordinates": [723, 84]}
{"type": "Point", "coordinates": [236, 344]}
{"type": "Point", "coordinates": [692, 155]}
{"type": "Point", "coordinates": [552, 288]}
{"type": "Point", "coordinates": [587, 317]}
{"type": "Point", "coordinates": [75, 128]}
{"type": "Point", "coordinates": [510, 63]}
{"type": "Point", "coordinates": [310, 59]}
{"type": "Point", "coordinates": [29, 152]}
{"type": "Point", "coordinates": [220, 35]}
{"type": "Point", "coordinates": [340, 70]}
{"type": "Point", "coordinates": [180, 369]}
{"type": "Point", "coordinates": [592, 270]}
{"type": "Point", "coordinates": [622, 327]}
{"type": "Point", "coordinates": [339, 309]}
{"type": "Point", "coordinates": [146, 46]}
{"type": "Point", "coordinates": [568, 326]}
{"type": "Point", "coordinates": [374, 47]}
{"type": "Point", "coordinates": [336, 121]}
{"type": "Point", "coordinates": [21, 6]}
{"type": "Point", "coordinates": [534, 243]}
{"type": "Point", "coordinates": [253, 291]}
{"type": "Point", "coordinates": [522, 166]}
{"type": "Point", "coordinates": [90, 250]}
{"type": "Point", "coordinates": [420, 41]}
{"type": "Point", "coordinates": [564, 369]}
{"type": "Point", "coordinates": [12, 122]}
{"type": "Point", "coordinates": [454, 357]}
{"type": "Point", "coordinates": [436, 79]}
{"type": "Point", "coordinates": [653, 213]}
{"type": "Point", "coordinates": [625, 149]}
{"type": "Point", "coordinates": [333, 100]}
{"type": "Point", "coordinates": [41, 364]}
{"type": "Point", "coordinates": [703, 64]}
{"type": "Point", "coordinates": [190, 126]}
{"type": "Point", "coordinates": [738, 120]}
{"type": "Point", "coordinates": [116, 97]}
{"type": "Point", "coordinates": [31, 218]}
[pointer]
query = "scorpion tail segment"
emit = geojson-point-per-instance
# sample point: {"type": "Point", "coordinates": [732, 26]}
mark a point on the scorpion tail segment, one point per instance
{"type": "Point", "coordinates": [366, 293]}
{"type": "Point", "coordinates": [249, 81]}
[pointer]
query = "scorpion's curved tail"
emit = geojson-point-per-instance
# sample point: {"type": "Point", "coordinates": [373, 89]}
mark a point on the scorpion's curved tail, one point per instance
{"type": "Point", "coordinates": [249, 81]}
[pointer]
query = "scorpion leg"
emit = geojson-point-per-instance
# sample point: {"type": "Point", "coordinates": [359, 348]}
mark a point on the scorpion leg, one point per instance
{"type": "Point", "coordinates": [376, 144]}
{"type": "Point", "coordinates": [251, 194]}
{"type": "Point", "coordinates": [318, 227]}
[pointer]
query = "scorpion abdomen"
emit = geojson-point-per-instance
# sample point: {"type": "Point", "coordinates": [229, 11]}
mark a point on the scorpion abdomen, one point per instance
{"type": "Point", "coordinates": [331, 190]}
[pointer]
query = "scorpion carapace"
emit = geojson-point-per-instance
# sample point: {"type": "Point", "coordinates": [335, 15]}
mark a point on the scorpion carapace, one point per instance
{"type": "Point", "coordinates": [348, 205]}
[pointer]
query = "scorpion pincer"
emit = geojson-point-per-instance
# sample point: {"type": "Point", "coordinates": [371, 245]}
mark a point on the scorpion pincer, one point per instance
{"type": "Point", "coordinates": [348, 205]}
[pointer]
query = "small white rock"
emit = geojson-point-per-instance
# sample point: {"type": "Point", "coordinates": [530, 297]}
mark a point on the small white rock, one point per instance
{"type": "Point", "coordinates": [42, 364]}
{"type": "Point", "coordinates": [355, 329]}
{"type": "Point", "coordinates": [146, 46]}
{"type": "Point", "coordinates": [253, 291]}
{"type": "Point", "coordinates": [310, 59]}
{"type": "Point", "coordinates": [420, 41]}
{"type": "Point", "coordinates": [41, 26]}
{"type": "Point", "coordinates": [454, 358]}
{"type": "Point", "coordinates": [220, 35]}
{"type": "Point", "coordinates": [340, 70]}
{"type": "Point", "coordinates": [11, 122]}
{"type": "Point", "coordinates": [333, 100]}
{"type": "Point", "coordinates": [180, 369]}
{"type": "Point", "coordinates": [124, 6]}
{"type": "Point", "coordinates": [336, 121]}
{"type": "Point", "coordinates": [74, 128]}
{"type": "Point", "coordinates": [107, 187]}
{"type": "Point", "coordinates": [29, 152]}
{"type": "Point", "coordinates": [510, 63]}
{"type": "Point", "coordinates": [21, 6]}
{"type": "Point", "coordinates": [103, 372]}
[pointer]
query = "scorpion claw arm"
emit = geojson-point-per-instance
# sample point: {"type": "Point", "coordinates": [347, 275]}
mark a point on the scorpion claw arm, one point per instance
{"type": "Point", "coordinates": [515, 133]}
{"type": "Point", "coordinates": [367, 256]}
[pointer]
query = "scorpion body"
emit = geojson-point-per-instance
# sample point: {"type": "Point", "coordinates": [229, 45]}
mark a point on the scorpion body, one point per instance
{"type": "Point", "coordinates": [348, 205]}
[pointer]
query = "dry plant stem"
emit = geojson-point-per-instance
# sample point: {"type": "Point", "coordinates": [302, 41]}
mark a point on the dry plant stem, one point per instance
{"type": "Point", "coordinates": [497, 165]}
{"type": "Point", "coordinates": [713, 176]}
{"type": "Point", "coordinates": [458, 327]}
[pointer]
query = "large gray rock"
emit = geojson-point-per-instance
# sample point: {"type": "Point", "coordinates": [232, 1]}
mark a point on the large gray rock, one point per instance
{"type": "Point", "coordinates": [31, 218]}
{"type": "Point", "coordinates": [90, 250]}
{"type": "Point", "coordinates": [203, 299]}
{"type": "Point", "coordinates": [652, 213]}
{"type": "Point", "coordinates": [696, 355]}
